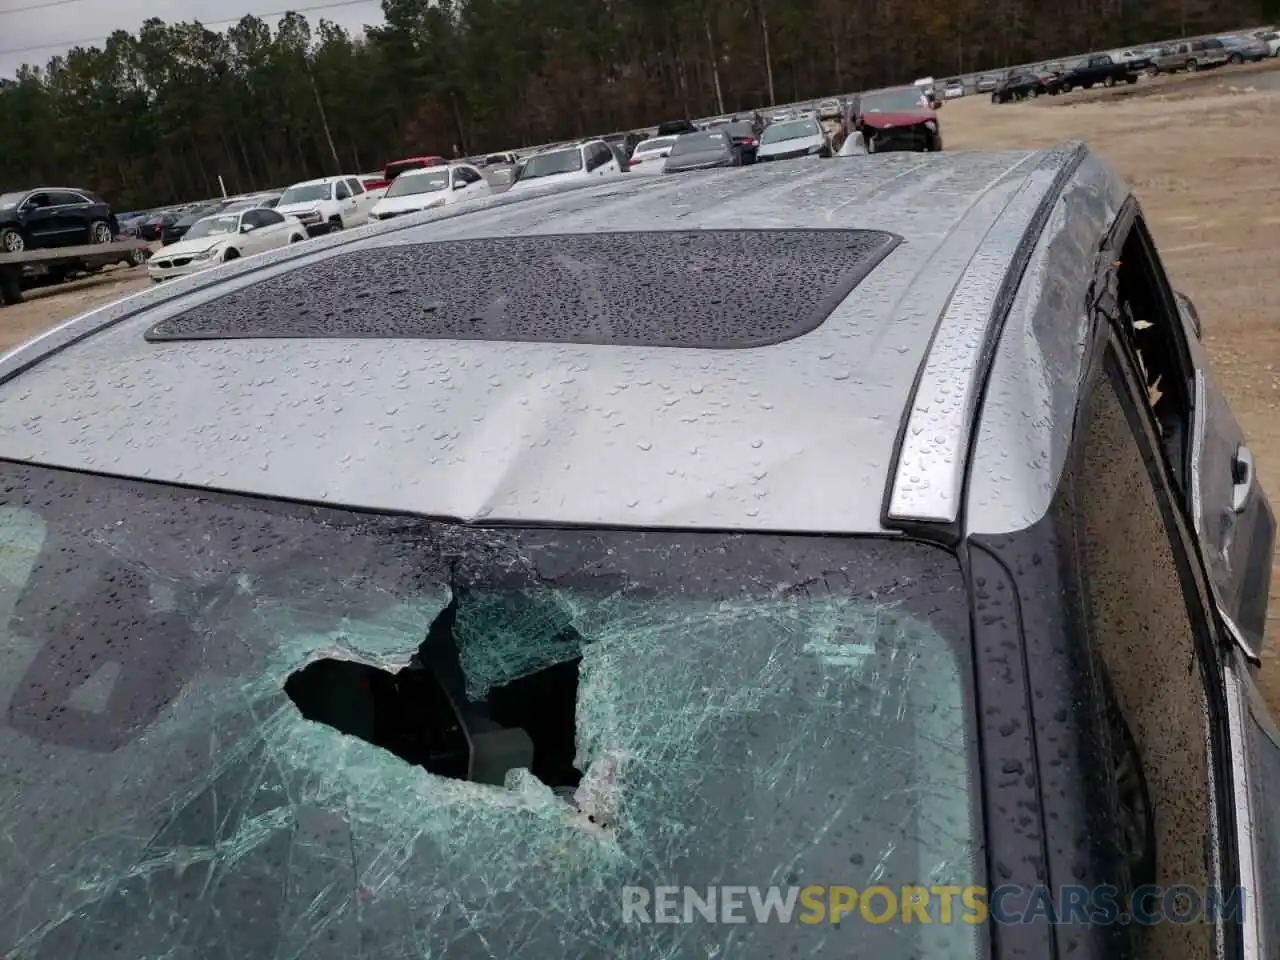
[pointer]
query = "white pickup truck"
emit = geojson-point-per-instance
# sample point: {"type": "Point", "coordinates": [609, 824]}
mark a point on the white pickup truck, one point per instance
{"type": "Point", "coordinates": [328, 204]}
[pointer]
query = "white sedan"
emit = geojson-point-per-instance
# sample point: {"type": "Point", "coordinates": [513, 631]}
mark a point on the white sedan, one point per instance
{"type": "Point", "coordinates": [223, 237]}
{"type": "Point", "coordinates": [649, 154]}
{"type": "Point", "coordinates": [429, 188]}
{"type": "Point", "coordinates": [579, 162]}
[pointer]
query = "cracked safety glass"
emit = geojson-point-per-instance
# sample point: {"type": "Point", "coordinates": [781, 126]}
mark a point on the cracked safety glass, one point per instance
{"type": "Point", "coordinates": [241, 728]}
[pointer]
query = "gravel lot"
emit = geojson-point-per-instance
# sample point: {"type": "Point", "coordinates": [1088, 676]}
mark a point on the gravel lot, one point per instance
{"type": "Point", "coordinates": [1203, 152]}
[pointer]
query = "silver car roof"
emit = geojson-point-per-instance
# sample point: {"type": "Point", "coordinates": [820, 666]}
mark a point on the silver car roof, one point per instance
{"type": "Point", "coordinates": [802, 435]}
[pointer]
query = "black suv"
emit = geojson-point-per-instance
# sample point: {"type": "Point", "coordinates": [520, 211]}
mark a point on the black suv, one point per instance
{"type": "Point", "coordinates": [1018, 85]}
{"type": "Point", "coordinates": [54, 217]}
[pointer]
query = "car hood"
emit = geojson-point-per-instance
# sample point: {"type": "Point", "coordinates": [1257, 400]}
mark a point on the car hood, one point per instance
{"type": "Point", "coordinates": [548, 180]}
{"type": "Point", "coordinates": [703, 158]}
{"type": "Point", "coordinates": [292, 209]}
{"type": "Point", "coordinates": [793, 145]}
{"type": "Point", "coordinates": [897, 118]}
{"type": "Point", "coordinates": [189, 248]}
{"type": "Point", "coordinates": [410, 202]}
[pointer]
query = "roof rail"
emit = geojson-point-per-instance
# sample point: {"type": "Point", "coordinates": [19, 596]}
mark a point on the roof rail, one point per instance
{"type": "Point", "coordinates": [928, 476]}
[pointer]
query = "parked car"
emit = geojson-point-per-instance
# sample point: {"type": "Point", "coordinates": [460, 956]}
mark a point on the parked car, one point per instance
{"type": "Point", "coordinates": [949, 642]}
{"type": "Point", "coordinates": [703, 150]}
{"type": "Point", "coordinates": [830, 109]}
{"type": "Point", "coordinates": [499, 169]}
{"type": "Point", "coordinates": [589, 160]}
{"type": "Point", "coordinates": [431, 188]}
{"type": "Point", "coordinates": [987, 83]}
{"type": "Point", "coordinates": [328, 204]}
{"type": "Point", "coordinates": [793, 138]}
{"type": "Point", "coordinates": [624, 143]}
{"type": "Point", "coordinates": [397, 167]}
{"type": "Point", "coordinates": [1189, 55]}
{"type": "Point", "coordinates": [675, 128]}
{"type": "Point", "coordinates": [54, 217]}
{"type": "Point", "coordinates": [953, 89]}
{"type": "Point", "coordinates": [743, 134]}
{"type": "Point", "coordinates": [1103, 69]}
{"type": "Point", "coordinates": [260, 201]}
{"type": "Point", "coordinates": [1053, 77]}
{"type": "Point", "coordinates": [901, 119]}
{"type": "Point", "coordinates": [224, 237]}
{"type": "Point", "coordinates": [152, 228]}
{"type": "Point", "coordinates": [1245, 49]}
{"type": "Point", "coordinates": [128, 224]}
{"type": "Point", "coordinates": [176, 229]}
{"type": "Point", "coordinates": [1272, 39]}
{"type": "Point", "coordinates": [1018, 84]}
{"type": "Point", "coordinates": [650, 154]}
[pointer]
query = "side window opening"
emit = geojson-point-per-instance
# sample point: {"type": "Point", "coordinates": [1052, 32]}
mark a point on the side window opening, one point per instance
{"type": "Point", "coordinates": [1146, 633]}
{"type": "Point", "coordinates": [1151, 330]}
{"type": "Point", "coordinates": [343, 193]}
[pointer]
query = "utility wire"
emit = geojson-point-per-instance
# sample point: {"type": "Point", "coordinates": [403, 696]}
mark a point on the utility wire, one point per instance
{"type": "Point", "coordinates": [68, 44]}
{"type": "Point", "coordinates": [39, 6]}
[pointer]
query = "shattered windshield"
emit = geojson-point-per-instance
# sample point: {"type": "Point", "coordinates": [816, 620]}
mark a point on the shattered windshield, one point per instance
{"type": "Point", "coordinates": [239, 728]}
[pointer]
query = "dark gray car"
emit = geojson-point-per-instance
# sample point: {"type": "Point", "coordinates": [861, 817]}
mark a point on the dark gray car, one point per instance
{"type": "Point", "coordinates": [703, 150]}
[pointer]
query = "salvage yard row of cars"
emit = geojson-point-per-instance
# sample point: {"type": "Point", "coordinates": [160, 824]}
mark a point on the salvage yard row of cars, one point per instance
{"type": "Point", "coordinates": [1129, 66]}
{"type": "Point", "coordinates": [521, 536]}
{"type": "Point", "coordinates": [895, 119]}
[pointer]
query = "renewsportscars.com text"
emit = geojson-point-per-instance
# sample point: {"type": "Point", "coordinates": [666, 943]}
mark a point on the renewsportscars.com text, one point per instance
{"type": "Point", "coordinates": [933, 904]}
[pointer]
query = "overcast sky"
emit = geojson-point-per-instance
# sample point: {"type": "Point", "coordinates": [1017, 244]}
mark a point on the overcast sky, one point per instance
{"type": "Point", "coordinates": [56, 28]}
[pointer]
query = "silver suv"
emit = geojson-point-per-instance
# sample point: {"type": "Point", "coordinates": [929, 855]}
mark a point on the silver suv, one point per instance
{"type": "Point", "coordinates": [1190, 55]}
{"type": "Point", "coordinates": [507, 580]}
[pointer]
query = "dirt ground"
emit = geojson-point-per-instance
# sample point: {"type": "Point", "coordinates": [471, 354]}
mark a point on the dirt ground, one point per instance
{"type": "Point", "coordinates": [1202, 151]}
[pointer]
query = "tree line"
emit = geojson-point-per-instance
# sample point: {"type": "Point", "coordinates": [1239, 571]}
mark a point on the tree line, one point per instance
{"type": "Point", "coordinates": [157, 116]}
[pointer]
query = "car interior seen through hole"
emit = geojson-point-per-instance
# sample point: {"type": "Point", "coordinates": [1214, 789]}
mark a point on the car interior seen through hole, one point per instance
{"type": "Point", "coordinates": [422, 713]}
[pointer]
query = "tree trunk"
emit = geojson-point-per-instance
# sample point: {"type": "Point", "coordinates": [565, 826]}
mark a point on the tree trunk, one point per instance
{"type": "Point", "coordinates": [457, 121]}
{"type": "Point", "coordinates": [715, 67]}
{"type": "Point", "coordinates": [324, 123]}
{"type": "Point", "coordinates": [768, 60]}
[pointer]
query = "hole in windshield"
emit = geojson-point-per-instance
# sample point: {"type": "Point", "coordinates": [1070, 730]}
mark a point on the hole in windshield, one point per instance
{"type": "Point", "coordinates": [423, 715]}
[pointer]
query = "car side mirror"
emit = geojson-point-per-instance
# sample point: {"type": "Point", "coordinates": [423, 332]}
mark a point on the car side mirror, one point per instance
{"type": "Point", "coordinates": [459, 185]}
{"type": "Point", "coordinates": [246, 227]}
{"type": "Point", "coordinates": [1189, 312]}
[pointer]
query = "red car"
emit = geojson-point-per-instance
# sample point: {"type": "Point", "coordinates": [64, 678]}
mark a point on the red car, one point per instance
{"type": "Point", "coordinates": [900, 119]}
{"type": "Point", "coordinates": [397, 167]}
